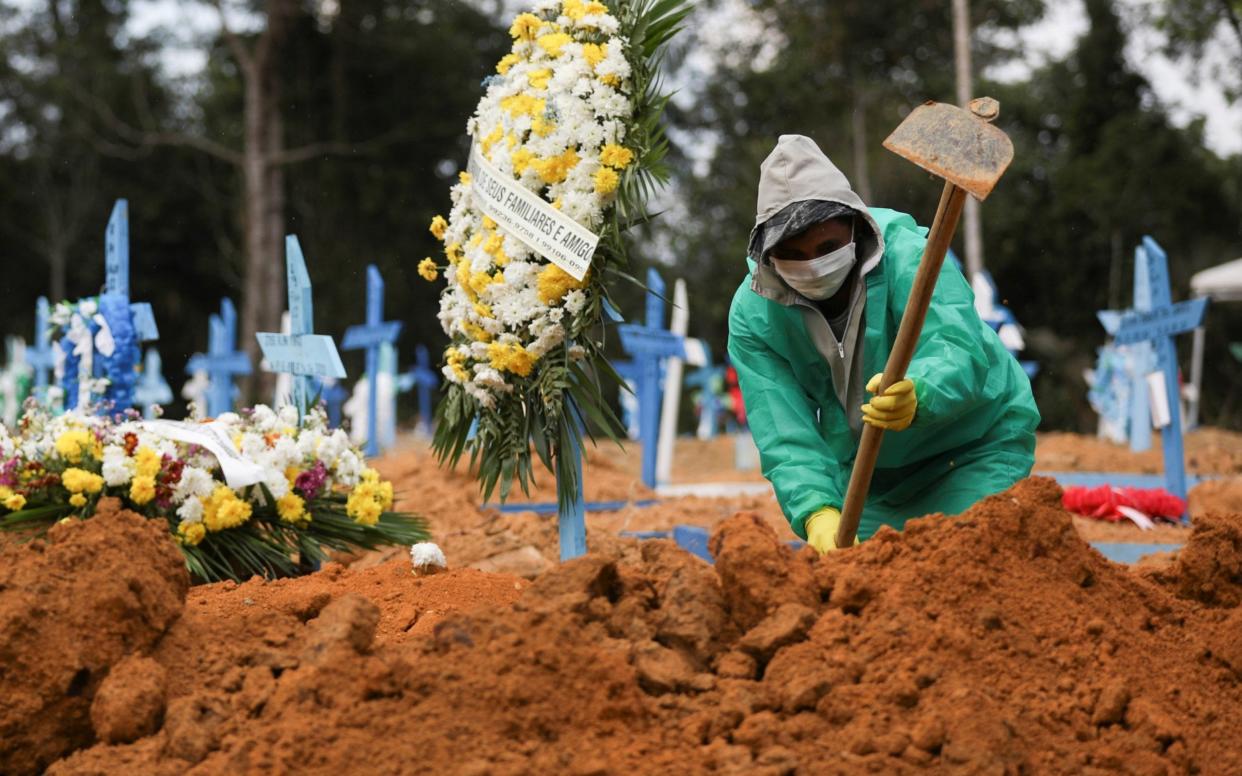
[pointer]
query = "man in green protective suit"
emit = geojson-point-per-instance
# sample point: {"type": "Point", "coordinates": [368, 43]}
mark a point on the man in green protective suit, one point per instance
{"type": "Point", "coordinates": [817, 316]}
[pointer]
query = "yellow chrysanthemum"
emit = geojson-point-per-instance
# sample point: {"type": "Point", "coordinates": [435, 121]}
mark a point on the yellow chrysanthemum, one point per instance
{"type": "Point", "coordinates": [490, 140]}
{"type": "Point", "coordinates": [75, 443]}
{"type": "Point", "coordinates": [479, 281]}
{"type": "Point", "coordinates": [224, 510]}
{"type": "Point", "coordinates": [554, 43]}
{"type": "Point", "coordinates": [538, 79]}
{"type": "Point", "coordinates": [476, 333]}
{"type": "Point", "coordinates": [192, 533]}
{"type": "Point", "coordinates": [525, 27]}
{"type": "Point", "coordinates": [10, 500]}
{"type": "Point", "coordinates": [488, 223]}
{"type": "Point", "coordinates": [292, 509]}
{"type": "Point", "coordinates": [81, 481]}
{"type": "Point", "coordinates": [366, 503]}
{"type": "Point", "coordinates": [612, 79]}
{"type": "Point", "coordinates": [142, 490]}
{"type": "Point", "coordinates": [554, 283]}
{"type": "Point", "coordinates": [438, 227]}
{"type": "Point", "coordinates": [453, 252]}
{"type": "Point", "coordinates": [146, 462]}
{"type": "Point", "coordinates": [494, 244]}
{"type": "Point", "coordinates": [455, 359]}
{"type": "Point", "coordinates": [616, 156]}
{"type": "Point", "coordinates": [594, 53]}
{"type": "Point", "coordinates": [464, 177]}
{"type": "Point", "coordinates": [510, 357]}
{"type": "Point", "coordinates": [521, 105]}
{"type": "Point", "coordinates": [522, 159]}
{"type": "Point", "coordinates": [606, 180]}
{"type": "Point", "coordinates": [555, 169]}
{"type": "Point", "coordinates": [385, 495]}
{"type": "Point", "coordinates": [77, 501]}
{"type": "Point", "coordinates": [427, 270]}
{"type": "Point", "coordinates": [506, 62]}
{"type": "Point", "coordinates": [542, 127]}
{"type": "Point", "coordinates": [482, 310]}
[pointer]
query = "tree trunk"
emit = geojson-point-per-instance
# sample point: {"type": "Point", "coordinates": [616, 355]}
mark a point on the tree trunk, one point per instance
{"type": "Point", "coordinates": [862, 175]}
{"type": "Point", "coordinates": [263, 297]}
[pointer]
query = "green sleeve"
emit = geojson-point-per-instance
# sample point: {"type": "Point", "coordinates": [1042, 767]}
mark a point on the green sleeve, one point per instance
{"type": "Point", "coordinates": [952, 363]}
{"type": "Point", "coordinates": [783, 422]}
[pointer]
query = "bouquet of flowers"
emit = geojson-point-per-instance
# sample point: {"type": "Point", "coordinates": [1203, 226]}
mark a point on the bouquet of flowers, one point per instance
{"type": "Point", "coordinates": [306, 488]}
{"type": "Point", "coordinates": [571, 120]}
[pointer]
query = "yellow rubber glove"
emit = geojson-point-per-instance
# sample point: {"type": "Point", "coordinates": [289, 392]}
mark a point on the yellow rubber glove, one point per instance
{"type": "Point", "coordinates": [821, 530]}
{"type": "Point", "coordinates": [894, 409]}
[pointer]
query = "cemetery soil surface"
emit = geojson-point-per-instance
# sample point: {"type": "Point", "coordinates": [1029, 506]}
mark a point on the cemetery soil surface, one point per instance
{"type": "Point", "coordinates": [995, 642]}
{"type": "Point", "coordinates": [525, 544]}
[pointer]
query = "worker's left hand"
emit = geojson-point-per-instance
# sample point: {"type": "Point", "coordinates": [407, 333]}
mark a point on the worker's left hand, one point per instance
{"type": "Point", "coordinates": [894, 409]}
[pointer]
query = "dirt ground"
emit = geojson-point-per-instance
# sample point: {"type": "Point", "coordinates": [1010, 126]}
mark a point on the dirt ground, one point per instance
{"type": "Point", "coordinates": [996, 642]}
{"type": "Point", "coordinates": [525, 544]}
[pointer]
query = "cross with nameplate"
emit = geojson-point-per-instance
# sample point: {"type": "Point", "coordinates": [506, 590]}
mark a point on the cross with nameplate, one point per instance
{"type": "Point", "coordinates": [649, 345]}
{"type": "Point", "coordinates": [368, 337]}
{"type": "Point", "coordinates": [222, 361]}
{"type": "Point", "coordinates": [1139, 357]}
{"type": "Point", "coordinates": [152, 388]}
{"type": "Point", "coordinates": [1159, 325]}
{"type": "Point", "coordinates": [301, 352]}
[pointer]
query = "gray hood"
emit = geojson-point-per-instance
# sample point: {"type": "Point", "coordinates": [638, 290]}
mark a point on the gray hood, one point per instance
{"type": "Point", "coordinates": [797, 171]}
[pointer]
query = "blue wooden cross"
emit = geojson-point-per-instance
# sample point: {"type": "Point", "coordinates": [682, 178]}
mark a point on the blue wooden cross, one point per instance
{"type": "Point", "coordinates": [425, 379]}
{"type": "Point", "coordinates": [152, 388]}
{"type": "Point", "coordinates": [649, 345]}
{"type": "Point", "coordinates": [1139, 358]}
{"type": "Point", "coordinates": [1159, 325]}
{"type": "Point", "coordinates": [301, 352]}
{"type": "Point", "coordinates": [333, 395]}
{"type": "Point", "coordinates": [121, 366]}
{"type": "Point", "coordinates": [221, 362]}
{"type": "Point", "coordinates": [705, 379]}
{"type": "Point", "coordinates": [40, 356]}
{"type": "Point", "coordinates": [368, 337]}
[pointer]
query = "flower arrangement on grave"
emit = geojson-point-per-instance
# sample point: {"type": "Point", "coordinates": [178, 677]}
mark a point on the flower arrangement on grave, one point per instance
{"type": "Point", "coordinates": [571, 122]}
{"type": "Point", "coordinates": [97, 349]}
{"type": "Point", "coordinates": [310, 490]}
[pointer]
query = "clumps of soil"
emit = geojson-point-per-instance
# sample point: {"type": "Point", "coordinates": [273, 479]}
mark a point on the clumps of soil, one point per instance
{"type": "Point", "coordinates": [995, 642]}
{"type": "Point", "coordinates": [1209, 568]}
{"type": "Point", "coordinates": [72, 607]}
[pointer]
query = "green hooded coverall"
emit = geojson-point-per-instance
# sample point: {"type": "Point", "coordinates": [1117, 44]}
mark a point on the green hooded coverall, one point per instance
{"type": "Point", "coordinates": [974, 431]}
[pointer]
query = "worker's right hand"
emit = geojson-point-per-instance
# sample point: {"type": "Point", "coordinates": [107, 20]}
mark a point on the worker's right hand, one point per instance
{"type": "Point", "coordinates": [821, 530]}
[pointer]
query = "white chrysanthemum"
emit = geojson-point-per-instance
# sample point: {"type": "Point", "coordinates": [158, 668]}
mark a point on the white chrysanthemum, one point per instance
{"type": "Point", "coordinates": [191, 511]}
{"type": "Point", "coordinates": [288, 416]}
{"type": "Point", "coordinates": [118, 468]}
{"type": "Point", "coordinates": [427, 557]}
{"type": "Point", "coordinates": [194, 482]}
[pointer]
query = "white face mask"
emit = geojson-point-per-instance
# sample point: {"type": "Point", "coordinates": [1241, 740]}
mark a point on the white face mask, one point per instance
{"type": "Point", "coordinates": [820, 278]}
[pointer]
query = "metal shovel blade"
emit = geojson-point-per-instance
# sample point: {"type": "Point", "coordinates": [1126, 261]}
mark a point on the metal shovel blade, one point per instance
{"type": "Point", "coordinates": [956, 144]}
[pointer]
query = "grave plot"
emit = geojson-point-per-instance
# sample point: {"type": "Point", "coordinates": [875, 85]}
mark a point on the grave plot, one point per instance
{"type": "Point", "coordinates": [924, 651]}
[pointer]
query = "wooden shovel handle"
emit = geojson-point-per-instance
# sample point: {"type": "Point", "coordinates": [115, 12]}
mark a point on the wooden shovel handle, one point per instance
{"type": "Point", "coordinates": [943, 227]}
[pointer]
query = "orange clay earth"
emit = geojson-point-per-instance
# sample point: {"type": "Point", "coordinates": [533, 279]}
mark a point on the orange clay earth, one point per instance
{"type": "Point", "coordinates": [995, 642]}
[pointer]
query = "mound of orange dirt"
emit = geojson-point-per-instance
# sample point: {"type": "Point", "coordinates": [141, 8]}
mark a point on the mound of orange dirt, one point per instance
{"type": "Point", "coordinates": [994, 642]}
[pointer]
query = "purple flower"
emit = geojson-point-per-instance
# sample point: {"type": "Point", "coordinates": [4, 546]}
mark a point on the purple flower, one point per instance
{"type": "Point", "coordinates": [310, 482]}
{"type": "Point", "coordinates": [8, 472]}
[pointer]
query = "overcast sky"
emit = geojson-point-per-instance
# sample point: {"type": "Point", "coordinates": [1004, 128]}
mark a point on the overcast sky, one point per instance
{"type": "Point", "coordinates": [1051, 38]}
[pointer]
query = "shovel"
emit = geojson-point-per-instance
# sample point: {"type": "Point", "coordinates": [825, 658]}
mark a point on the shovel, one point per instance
{"type": "Point", "coordinates": [960, 146]}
